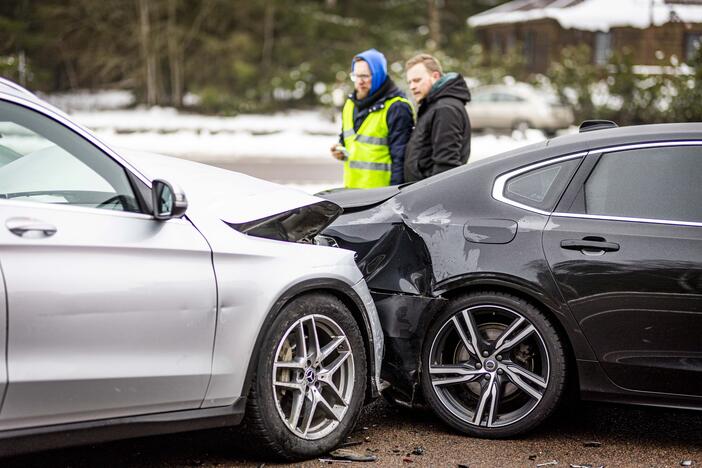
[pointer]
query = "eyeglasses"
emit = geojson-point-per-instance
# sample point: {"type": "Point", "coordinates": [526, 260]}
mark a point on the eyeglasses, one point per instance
{"type": "Point", "coordinates": [355, 77]}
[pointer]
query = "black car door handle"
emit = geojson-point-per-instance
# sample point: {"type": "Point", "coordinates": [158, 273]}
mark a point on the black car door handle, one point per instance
{"type": "Point", "coordinates": [580, 244]}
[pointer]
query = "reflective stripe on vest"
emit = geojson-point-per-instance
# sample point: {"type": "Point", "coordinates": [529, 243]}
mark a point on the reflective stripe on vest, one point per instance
{"type": "Point", "coordinates": [369, 164]}
{"type": "Point", "coordinates": [372, 140]}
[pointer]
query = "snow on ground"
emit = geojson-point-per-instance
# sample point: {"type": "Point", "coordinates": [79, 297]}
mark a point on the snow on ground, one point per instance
{"type": "Point", "coordinates": [90, 100]}
{"type": "Point", "coordinates": [293, 135]}
{"type": "Point", "coordinates": [158, 119]}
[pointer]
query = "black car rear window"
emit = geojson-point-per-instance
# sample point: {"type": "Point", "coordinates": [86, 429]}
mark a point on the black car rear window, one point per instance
{"type": "Point", "coordinates": [541, 187]}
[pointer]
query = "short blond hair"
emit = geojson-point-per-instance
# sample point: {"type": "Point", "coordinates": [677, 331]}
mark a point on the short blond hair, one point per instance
{"type": "Point", "coordinates": [429, 61]}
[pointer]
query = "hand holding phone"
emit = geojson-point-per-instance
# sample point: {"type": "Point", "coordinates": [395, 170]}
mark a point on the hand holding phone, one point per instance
{"type": "Point", "coordinates": [340, 152]}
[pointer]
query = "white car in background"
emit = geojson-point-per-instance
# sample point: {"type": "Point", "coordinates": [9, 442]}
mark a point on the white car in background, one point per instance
{"type": "Point", "coordinates": [128, 309]}
{"type": "Point", "coordinates": [517, 107]}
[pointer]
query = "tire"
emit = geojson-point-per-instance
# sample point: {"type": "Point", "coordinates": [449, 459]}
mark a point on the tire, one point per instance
{"type": "Point", "coordinates": [492, 365]}
{"type": "Point", "coordinates": [301, 406]}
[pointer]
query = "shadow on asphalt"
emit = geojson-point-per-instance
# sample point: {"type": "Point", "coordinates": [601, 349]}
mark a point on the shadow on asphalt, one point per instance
{"type": "Point", "coordinates": [606, 423]}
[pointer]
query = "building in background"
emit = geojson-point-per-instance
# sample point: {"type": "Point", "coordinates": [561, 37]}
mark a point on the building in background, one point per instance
{"type": "Point", "coordinates": [541, 28]}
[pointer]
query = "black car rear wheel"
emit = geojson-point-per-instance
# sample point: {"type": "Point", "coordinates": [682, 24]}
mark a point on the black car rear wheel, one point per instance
{"type": "Point", "coordinates": [492, 365]}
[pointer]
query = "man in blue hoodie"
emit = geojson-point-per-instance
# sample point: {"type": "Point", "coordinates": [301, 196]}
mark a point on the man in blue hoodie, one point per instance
{"type": "Point", "coordinates": [377, 122]}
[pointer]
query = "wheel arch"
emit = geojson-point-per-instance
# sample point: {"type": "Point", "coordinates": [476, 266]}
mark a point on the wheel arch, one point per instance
{"type": "Point", "coordinates": [347, 296]}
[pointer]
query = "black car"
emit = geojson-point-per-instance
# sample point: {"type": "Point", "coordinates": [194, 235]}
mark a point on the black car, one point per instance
{"type": "Point", "coordinates": [572, 263]}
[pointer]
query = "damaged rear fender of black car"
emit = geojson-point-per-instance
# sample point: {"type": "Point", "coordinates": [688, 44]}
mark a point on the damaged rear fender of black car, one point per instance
{"type": "Point", "coordinates": [397, 266]}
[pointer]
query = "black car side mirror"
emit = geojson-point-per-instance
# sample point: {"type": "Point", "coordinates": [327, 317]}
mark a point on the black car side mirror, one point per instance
{"type": "Point", "coordinates": [168, 202]}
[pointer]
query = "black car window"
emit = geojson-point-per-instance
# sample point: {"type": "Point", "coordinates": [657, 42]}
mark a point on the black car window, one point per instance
{"type": "Point", "coordinates": [541, 187]}
{"type": "Point", "coordinates": [482, 98]}
{"type": "Point", "coordinates": [504, 97]}
{"type": "Point", "coordinates": [651, 183]}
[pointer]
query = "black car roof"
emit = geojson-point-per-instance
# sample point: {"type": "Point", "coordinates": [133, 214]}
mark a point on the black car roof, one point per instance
{"type": "Point", "coordinates": [627, 135]}
{"type": "Point", "coordinates": [600, 139]}
{"type": "Point", "coordinates": [572, 144]}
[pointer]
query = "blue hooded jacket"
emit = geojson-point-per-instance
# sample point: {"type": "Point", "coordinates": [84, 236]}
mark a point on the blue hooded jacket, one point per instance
{"type": "Point", "coordinates": [378, 67]}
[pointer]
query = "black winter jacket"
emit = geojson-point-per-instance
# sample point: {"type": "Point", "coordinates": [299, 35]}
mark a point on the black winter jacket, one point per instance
{"type": "Point", "coordinates": [441, 138]}
{"type": "Point", "coordinates": [400, 120]}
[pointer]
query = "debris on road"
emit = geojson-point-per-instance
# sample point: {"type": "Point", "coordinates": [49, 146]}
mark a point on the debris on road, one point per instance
{"type": "Point", "coordinates": [687, 463]}
{"type": "Point", "coordinates": [592, 443]}
{"type": "Point", "coordinates": [350, 455]}
{"type": "Point", "coordinates": [552, 462]}
{"type": "Point", "coordinates": [418, 451]}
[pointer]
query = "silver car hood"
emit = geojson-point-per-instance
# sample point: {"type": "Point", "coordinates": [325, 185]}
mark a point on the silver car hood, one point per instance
{"type": "Point", "coordinates": [248, 204]}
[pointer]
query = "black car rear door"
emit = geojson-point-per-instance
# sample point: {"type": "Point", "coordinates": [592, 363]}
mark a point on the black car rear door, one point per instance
{"type": "Point", "coordinates": [625, 248]}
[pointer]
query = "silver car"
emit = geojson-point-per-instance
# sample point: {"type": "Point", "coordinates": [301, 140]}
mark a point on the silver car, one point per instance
{"type": "Point", "coordinates": [129, 309]}
{"type": "Point", "coordinates": [517, 107]}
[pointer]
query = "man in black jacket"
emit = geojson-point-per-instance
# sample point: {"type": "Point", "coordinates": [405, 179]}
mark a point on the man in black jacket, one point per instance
{"type": "Point", "coordinates": [441, 138]}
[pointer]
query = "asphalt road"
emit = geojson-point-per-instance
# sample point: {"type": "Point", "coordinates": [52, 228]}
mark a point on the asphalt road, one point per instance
{"type": "Point", "coordinates": [282, 170]}
{"type": "Point", "coordinates": [579, 434]}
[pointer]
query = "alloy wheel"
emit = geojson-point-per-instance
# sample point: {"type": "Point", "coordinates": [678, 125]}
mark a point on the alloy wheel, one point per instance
{"type": "Point", "coordinates": [489, 366]}
{"type": "Point", "coordinates": [313, 376]}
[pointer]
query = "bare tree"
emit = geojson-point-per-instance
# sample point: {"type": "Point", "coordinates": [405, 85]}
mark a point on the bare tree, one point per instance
{"type": "Point", "coordinates": [147, 52]}
{"type": "Point", "coordinates": [434, 15]}
{"type": "Point", "coordinates": [178, 40]}
{"type": "Point", "coordinates": [268, 40]}
{"type": "Point", "coordinates": [175, 54]}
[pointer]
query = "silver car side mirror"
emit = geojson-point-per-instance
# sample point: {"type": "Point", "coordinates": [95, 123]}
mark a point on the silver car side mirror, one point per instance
{"type": "Point", "coordinates": [168, 202]}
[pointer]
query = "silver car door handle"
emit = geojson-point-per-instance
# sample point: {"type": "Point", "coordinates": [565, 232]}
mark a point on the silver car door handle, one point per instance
{"type": "Point", "coordinates": [27, 227]}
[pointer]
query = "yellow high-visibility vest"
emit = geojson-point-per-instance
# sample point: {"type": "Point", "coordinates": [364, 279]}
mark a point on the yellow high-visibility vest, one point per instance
{"type": "Point", "coordinates": [369, 163]}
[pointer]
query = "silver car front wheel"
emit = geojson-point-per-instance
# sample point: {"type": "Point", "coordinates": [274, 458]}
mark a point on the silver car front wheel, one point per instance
{"type": "Point", "coordinates": [313, 376]}
{"type": "Point", "coordinates": [310, 379]}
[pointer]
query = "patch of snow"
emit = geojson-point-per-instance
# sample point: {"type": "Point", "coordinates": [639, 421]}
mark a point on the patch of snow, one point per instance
{"type": "Point", "coordinates": [601, 96]}
{"type": "Point", "coordinates": [296, 135]}
{"type": "Point", "coordinates": [84, 100]}
{"type": "Point", "coordinates": [214, 147]}
{"type": "Point", "coordinates": [165, 119]}
{"type": "Point", "coordinates": [682, 69]}
{"type": "Point", "coordinates": [596, 15]}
